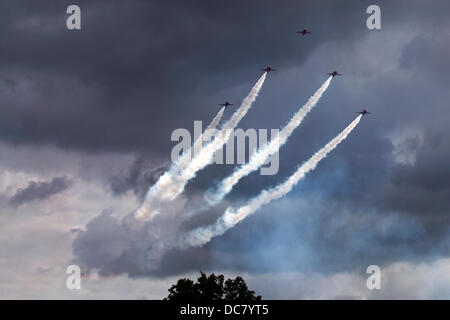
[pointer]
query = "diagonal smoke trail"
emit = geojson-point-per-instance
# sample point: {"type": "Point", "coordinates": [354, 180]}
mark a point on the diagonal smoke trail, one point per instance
{"type": "Point", "coordinates": [205, 136]}
{"type": "Point", "coordinates": [259, 157]}
{"type": "Point", "coordinates": [206, 155]}
{"type": "Point", "coordinates": [172, 182]}
{"type": "Point", "coordinates": [230, 218]}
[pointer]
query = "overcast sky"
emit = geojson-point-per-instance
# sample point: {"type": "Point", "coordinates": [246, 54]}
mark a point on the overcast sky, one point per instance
{"type": "Point", "coordinates": [86, 118]}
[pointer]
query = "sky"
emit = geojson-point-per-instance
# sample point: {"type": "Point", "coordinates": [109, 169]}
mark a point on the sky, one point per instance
{"type": "Point", "coordinates": [86, 118]}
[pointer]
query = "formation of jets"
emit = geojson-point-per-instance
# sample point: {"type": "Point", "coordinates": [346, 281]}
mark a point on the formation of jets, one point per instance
{"type": "Point", "coordinates": [267, 69]}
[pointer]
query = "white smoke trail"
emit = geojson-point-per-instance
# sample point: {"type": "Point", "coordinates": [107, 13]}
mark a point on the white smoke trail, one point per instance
{"type": "Point", "coordinates": [230, 218]}
{"type": "Point", "coordinates": [205, 136]}
{"type": "Point", "coordinates": [206, 155]}
{"type": "Point", "coordinates": [172, 182]}
{"type": "Point", "coordinates": [259, 157]}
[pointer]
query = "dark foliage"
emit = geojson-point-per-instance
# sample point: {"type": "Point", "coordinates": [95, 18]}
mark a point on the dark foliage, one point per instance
{"type": "Point", "coordinates": [211, 287]}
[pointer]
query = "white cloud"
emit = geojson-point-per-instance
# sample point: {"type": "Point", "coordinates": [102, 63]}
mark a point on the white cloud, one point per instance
{"type": "Point", "coordinates": [400, 280]}
{"type": "Point", "coordinates": [406, 142]}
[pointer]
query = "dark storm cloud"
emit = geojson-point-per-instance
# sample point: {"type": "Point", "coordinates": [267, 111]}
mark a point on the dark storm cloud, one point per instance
{"type": "Point", "coordinates": [40, 190]}
{"type": "Point", "coordinates": [137, 71]}
{"type": "Point", "coordinates": [147, 62]}
{"type": "Point", "coordinates": [423, 189]}
{"type": "Point", "coordinates": [432, 50]}
{"type": "Point", "coordinates": [10, 83]}
{"type": "Point", "coordinates": [116, 247]}
{"type": "Point", "coordinates": [139, 177]}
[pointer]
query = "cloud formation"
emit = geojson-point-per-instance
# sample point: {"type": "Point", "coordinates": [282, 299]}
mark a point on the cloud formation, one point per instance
{"type": "Point", "coordinates": [84, 104]}
{"type": "Point", "coordinates": [40, 190]}
{"type": "Point", "coordinates": [139, 176]}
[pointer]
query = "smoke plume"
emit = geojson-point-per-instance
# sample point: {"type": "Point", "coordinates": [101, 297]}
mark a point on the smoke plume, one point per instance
{"type": "Point", "coordinates": [198, 144]}
{"type": "Point", "coordinates": [202, 235]}
{"type": "Point", "coordinates": [259, 157]}
{"type": "Point", "coordinates": [172, 182]}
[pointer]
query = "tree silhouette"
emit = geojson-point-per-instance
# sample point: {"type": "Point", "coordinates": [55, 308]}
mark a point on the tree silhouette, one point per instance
{"type": "Point", "coordinates": [211, 287]}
